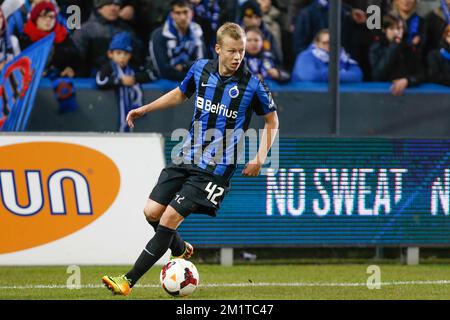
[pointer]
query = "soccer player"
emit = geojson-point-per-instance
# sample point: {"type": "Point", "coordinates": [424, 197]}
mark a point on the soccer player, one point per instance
{"type": "Point", "coordinates": [226, 96]}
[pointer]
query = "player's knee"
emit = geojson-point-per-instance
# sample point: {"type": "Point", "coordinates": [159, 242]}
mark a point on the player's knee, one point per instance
{"type": "Point", "coordinates": [150, 215]}
{"type": "Point", "coordinates": [152, 212]}
{"type": "Point", "coordinates": [171, 218]}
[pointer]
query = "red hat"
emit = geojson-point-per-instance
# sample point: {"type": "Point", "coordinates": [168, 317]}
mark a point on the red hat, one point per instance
{"type": "Point", "coordinates": [41, 6]}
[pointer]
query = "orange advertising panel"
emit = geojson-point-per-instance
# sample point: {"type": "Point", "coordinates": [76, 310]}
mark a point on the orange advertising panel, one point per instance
{"type": "Point", "coordinates": [50, 190]}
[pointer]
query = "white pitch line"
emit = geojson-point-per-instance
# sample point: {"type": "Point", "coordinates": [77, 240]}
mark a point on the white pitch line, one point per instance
{"type": "Point", "coordinates": [255, 284]}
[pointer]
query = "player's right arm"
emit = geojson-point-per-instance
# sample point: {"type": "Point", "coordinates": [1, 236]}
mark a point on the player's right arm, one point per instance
{"type": "Point", "coordinates": [170, 99]}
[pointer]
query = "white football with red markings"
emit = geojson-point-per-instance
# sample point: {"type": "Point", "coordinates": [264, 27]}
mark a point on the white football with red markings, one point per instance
{"type": "Point", "coordinates": [179, 277]}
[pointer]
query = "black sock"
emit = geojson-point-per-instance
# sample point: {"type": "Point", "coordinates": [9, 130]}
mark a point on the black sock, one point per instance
{"type": "Point", "coordinates": [154, 224]}
{"type": "Point", "coordinates": [177, 245]}
{"type": "Point", "coordinates": [153, 251]}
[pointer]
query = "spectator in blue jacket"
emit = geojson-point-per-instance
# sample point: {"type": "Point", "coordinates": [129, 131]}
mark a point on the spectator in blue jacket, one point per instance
{"type": "Point", "coordinates": [312, 64]}
{"type": "Point", "coordinates": [177, 44]}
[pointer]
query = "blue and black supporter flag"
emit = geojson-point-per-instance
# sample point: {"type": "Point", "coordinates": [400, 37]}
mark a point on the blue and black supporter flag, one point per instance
{"type": "Point", "coordinates": [19, 81]}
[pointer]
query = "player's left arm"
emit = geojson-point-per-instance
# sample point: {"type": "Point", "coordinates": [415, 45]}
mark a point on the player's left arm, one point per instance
{"type": "Point", "coordinates": [269, 133]}
{"type": "Point", "coordinates": [170, 99]}
{"type": "Point", "coordinates": [264, 105]}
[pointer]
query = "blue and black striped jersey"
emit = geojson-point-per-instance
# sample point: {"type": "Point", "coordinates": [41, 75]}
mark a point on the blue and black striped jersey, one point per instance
{"type": "Point", "coordinates": [222, 113]}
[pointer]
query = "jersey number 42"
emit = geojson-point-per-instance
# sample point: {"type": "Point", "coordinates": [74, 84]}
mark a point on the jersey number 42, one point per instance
{"type": "Point", "coordinates": [213, 192]}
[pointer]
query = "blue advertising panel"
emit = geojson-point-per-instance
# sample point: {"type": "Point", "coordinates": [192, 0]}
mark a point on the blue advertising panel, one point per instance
{"type": "Point", "coordinates": [336, 192]}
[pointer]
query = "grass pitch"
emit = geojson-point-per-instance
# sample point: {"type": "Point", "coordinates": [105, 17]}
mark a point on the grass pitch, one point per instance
{"type": "Point", "coordinates": [242, 282]}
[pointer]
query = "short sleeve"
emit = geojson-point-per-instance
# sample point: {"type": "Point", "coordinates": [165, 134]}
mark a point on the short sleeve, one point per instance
{"type": "Point", "coordinates": [263, 101]}
{"type": "Point", "coordinates": [187, 86]}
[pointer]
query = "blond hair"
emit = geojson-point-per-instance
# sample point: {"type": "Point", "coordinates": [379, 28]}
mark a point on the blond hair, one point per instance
{"type": "Point", "coordinates": [233, 30]}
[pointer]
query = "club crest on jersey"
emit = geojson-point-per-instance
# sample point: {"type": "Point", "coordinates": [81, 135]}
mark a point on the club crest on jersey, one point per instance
{"type": "Point", "coordinates": [233, 92]}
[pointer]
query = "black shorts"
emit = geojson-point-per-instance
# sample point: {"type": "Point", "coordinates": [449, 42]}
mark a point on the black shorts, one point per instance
{"type": "Point", "coordinates": [190, 189]}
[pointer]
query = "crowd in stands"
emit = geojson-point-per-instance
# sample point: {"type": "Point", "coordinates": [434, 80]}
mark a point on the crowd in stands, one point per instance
{"type": "Point", "coordinates": [123, 43]}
